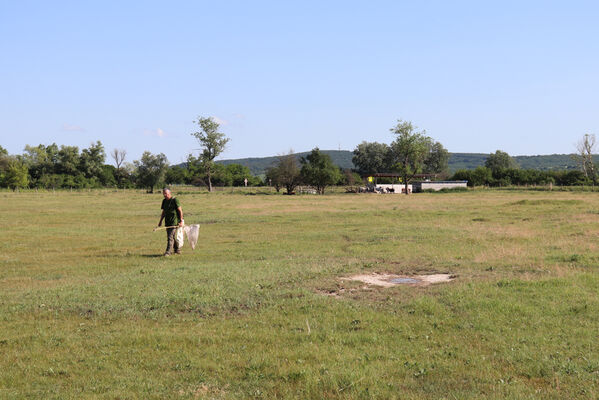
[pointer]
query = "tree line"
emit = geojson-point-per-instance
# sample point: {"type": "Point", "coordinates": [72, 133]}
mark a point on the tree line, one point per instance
{"type": "Point", "coordinates": [54, 167]}
{"type": "Point", "coordinates": [502, 170]}
{"type": "Point", "coordinates": [410, 154]}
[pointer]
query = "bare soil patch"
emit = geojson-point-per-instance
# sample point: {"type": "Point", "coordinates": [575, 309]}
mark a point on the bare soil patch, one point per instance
{"type": "Point", "coordinates": [389, 280]}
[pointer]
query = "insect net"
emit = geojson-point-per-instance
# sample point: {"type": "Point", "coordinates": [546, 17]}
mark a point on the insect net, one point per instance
{"type": "Point", "coordinates": [192, 232]}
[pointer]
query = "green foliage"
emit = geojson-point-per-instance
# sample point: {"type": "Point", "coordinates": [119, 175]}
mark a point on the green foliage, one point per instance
{"type": "Point", "coordinates": [108, 176]}
{"type": "Point", "coordinates": [371, 157]}
{"type": "Point", "coordinates": [69, 160]}
{"type": "Point", "coordinates": [212, 142]}
{"type": "Point", "coordinates": [175, 175]}
{"type": "Point", "coordinates": [41, 160]}
{"type": "Point", "coordinates": [92, 160]}
{"type": "Point", "coordinates": [350, 178]}
{"type": "Point", "coordinates": [483, 176]}
{"type": "Point", "coordinates": [285, 173]}
{"type": "Point", "coordinates": [409, 150]}
{"type": "Point", "coordinates": [436, 162]}
{"type": "Point", "coordinates": [150, 170]}
{"type": "Point", "coordinates": [319, 171]}
{"type": "Point", "coordinates": [51, 167]}
{"type": "Point", "coordinates": [4, 159]}
{"type": "Point", "coordinates": [272, 177]}
{"type": "Point", "coordinates": [16, 175]}
{"type": "Point", "coordinates": [500, 160]}
{"type": "Point", "coordinates": [239, 173]}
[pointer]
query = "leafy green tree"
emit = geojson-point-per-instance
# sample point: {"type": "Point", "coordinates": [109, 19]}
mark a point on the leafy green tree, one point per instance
{"type": "Point", "coordinates": [287, 172]}
{"type": "Point", "coordinates": [350, 178]}
{"type": "Point", "coordinates": [319, 171]}
{"type": "Point", "coordinates": [409, 150]}
{"type": "Point", "coordinates": [17, 175]}
{"type": "Point", "coordinates": [175, 175]}
{"type": "Point", "coordinates": [371, 157]}
{"type": "Point", "coordinates": [573, 178]}
{"type": "Point", "coordinates": [92, 160]}
{"type": "Point", "coordinates": [463, 175]}
{"type": "Point", "coordinates": [221, 176]}
{"type": "Point", "coordinates": [195, 171]}
{"type": "Point", "coordinates": [150, 170]}
{"type": "Point", "coordinates": [272, 176]}
{"type": "Point", "coordinates": [437, 161]}
{"type": "Point", "coordinates": [108, 176]}
{"type": "Point", "coordinates": [481, 176]}
{"type": "Point", "coordinates": [213, 143]}
{"type": "Point", "coordinates": [41, 160]}
{"type": "Point", "coordinates": [499, 160]}
{"type": "Point", "coordinates": [68, 160]}
{"type": "Point", "coordinates": [239, 173]}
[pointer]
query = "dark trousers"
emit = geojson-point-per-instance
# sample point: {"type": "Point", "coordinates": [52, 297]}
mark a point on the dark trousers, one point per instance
{"type": "Point", "coordinates": [171, 242]}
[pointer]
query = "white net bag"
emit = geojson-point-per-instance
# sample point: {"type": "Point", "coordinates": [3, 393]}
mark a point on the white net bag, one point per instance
{"type": "Point", "coordinates": [192, 232]}
{"type": "Point", "coordinates": [179, 237]}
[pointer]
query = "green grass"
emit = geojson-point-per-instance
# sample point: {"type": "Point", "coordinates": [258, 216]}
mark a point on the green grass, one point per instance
{"type": "Point", "coordinates": [88, 310]}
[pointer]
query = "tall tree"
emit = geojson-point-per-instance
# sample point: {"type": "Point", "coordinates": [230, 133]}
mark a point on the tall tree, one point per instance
{"type": "Point", "coordinates": [239, 173]}
{"type": "Point", "coordinates": [319, 171]}
{"type": "Point", "coordinates": [175, 175]}
{"type": "Point", "coordinates": [500, 160]}
{"type": "Point", "coordinates": [16, 175]}
{"type": "Point", "coordinates": [288, 171]}
{"type": "Point", "coordinates": [150, 170]}
{"type": "Point", "coordinates": [585, 148]}
{"type": "Point", "coordinates": [437, 161]}
{"type": "Point", "coordinates": [92, 160]}
{"type": "Point", "coordinates": [41, 160]}
{"type": "Point", "coordinates": [409, 150]}
{"type": "Point", "coordinates": [371, 157]}
{"type": "Point", "coordinates": [213, 143]}
{"type": "Point", "coordinates": [68, 160]}
{"type": "Point", "coordinates": [272, 177]}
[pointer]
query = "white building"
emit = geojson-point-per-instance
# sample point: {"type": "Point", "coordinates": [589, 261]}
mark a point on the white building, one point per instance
{"type": "Point", "coordinates": [438, 185]}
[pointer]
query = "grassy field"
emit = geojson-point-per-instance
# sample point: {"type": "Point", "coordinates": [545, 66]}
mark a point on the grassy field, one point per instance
{"type": "Point", "coordinates": [258, 310]}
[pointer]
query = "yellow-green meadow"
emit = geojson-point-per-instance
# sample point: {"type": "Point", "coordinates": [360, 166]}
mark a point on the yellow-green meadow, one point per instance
{"type": "Point", "coordinates": [89, 309]}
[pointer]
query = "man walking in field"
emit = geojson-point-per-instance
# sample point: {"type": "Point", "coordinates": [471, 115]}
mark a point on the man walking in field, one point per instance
{"type": "Point", "coordinates": [172, 214]}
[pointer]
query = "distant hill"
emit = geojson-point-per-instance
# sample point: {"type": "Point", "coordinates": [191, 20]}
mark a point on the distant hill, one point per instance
{"type": "Point", "coordinates": [558, 162]}
{"type": "Point", "coordinates": [343, 158]}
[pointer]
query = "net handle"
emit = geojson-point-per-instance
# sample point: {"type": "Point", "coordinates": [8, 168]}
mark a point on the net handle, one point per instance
{"type": "Point", "coordinates": [166, 227]}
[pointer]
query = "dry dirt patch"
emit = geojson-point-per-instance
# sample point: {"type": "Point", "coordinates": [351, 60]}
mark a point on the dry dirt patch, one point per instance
{"type": "Point", "coordinates": [389, 280]}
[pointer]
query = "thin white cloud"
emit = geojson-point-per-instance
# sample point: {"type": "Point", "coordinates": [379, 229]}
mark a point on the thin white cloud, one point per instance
{"type": "Point", "coordinates": [155, 132]}
{"type": "Point", "coordinates": [220, 121]}
{"type": "Point", "coordinates": [72, 128]}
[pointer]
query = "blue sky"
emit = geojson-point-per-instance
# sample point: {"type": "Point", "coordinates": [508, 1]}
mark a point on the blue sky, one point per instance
{"type": "Point", "coordinates": [520, 76]}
